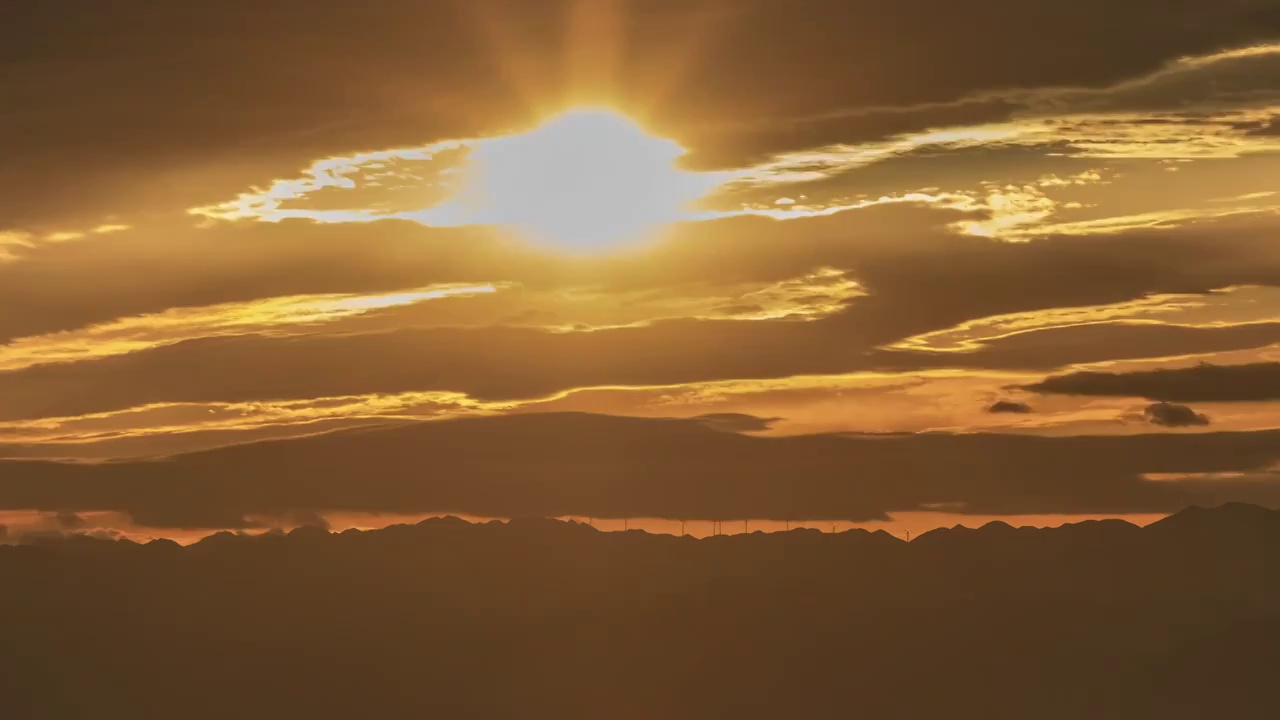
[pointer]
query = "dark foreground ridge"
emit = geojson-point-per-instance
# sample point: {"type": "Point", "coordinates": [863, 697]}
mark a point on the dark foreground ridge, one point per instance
{"type": "Point", "coordinates": [543, 619]}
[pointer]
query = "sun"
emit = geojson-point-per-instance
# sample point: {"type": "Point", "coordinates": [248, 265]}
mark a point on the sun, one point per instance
{"type": "Point", "coordinates": [588, 179]}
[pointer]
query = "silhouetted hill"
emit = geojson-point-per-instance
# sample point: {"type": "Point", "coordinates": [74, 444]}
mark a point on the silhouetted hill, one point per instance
{"type": "Point", "coordinates": [607, 466]}
{"type": "Point", "coordinates": [544, 619]}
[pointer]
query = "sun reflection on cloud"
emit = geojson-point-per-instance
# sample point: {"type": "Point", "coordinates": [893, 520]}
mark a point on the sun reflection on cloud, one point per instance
{"type": "Point", "coordinates": [587, 179]}
{"type": "Point", "coordinates": [591, 179]}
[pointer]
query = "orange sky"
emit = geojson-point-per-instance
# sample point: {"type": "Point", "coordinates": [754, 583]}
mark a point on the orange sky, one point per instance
{"type": "Point", "coordinates": [224, 225]}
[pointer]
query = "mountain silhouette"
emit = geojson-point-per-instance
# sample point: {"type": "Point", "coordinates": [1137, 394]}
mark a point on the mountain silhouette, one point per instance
{"type": "Point", "coordinates": [547, 619]}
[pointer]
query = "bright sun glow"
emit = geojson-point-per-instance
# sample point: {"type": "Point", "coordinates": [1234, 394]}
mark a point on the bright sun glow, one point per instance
{"type": "Point", "coordinates": [583, 180]}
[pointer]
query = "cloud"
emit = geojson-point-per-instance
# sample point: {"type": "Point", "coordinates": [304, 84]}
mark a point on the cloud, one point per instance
{"type": "Point", "coordinates": [1172, 415]}
{"type": "Point", "coordinates": [912, 278]}
{"type": "Point", "coordinates": [1013, 211]}
{"type": "Point", "coordinates": [1173, 309]}
{"type": "Point", "coordinates": [964, 213]}
{"type": "Point", "coordinates": [69, 521]}
{"type": "Point", "coordinates": [1110, 137]}
{"type": "Point", "coordinates": [281, 316]}
{"type": "Point", "coordinates": [1052, 349]}
{"type": "Point", "coordinates": [38, 536]}
{"type": "Point", "coordinates": [603, 466]}
{"type": "Point", "coordinates": [205, 272]}
{"type": "Point", "coordinates": [1203, 78]}
{"type": "Point", "coordinates": [1194, 107]}
{"type": "Point", "coordinates": [736, 422]}
{"type": "Point", "coordinates": [305, 518]}
{"type": "Point", "coordinates": [1204, 382]}
{"type": "Point", "coordinates": [1010, 406]}
{"type": "Point", "coordinates": [1231, 78]}
{"type": "Point", "coordinates": [397, 371]}
{"type": "Point", "coordinates": [176, 269]}
{"type": "Point", "coordinates": [740, 143]}
{"type": "Point", "coordinates": [690, 64]}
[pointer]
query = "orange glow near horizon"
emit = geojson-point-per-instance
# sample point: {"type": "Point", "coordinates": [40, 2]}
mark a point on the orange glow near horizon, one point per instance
{"type": "Point", "coordinates": [903, 525]}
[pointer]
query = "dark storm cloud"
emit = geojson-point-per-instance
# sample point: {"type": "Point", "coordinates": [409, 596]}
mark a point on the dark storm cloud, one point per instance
{"type": "Point", "coordinates": [602, 466]}
{"type": "Point", "coordinates": [196, 101]}
{"type": "Point", "coordinates": [1009, 406]}
{"type": "Point", "coordinates": [918, 280]}
{"type": "Point", "coordinates": [1202, 383]}
{"type": "Point", "coordinates": [1173, 415]}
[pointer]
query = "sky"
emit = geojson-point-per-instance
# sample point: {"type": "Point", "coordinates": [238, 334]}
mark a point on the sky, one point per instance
{"type": "Point", "coordinates": [789, 222]}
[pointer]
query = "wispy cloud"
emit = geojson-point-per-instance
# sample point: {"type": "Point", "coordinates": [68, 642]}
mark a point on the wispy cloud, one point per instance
{"type": "Point", "coordinates": [1221, 308]}
{"type": "Point", "coordinates": [282, 315]}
